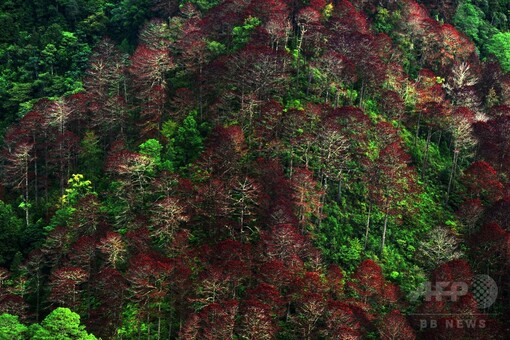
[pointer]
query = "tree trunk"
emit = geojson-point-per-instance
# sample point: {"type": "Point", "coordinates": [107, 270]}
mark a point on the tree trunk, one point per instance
{"type": "Point", "coordinates": [159, 321]}
{"type": "Point", "coordinates": [339, 190]}
{"type": "Point", "coordinates": [383, 241]}
{"type": "Point", "coordinates": [452, 174]}
{"type": "Point", "coordinates": [37, 296]}
{"type": "Point", "coordinates": [361, 93]}
{"type": "Point", "coordinates": [426, 154]}
{"type": "Point", "coordinates": [417, 129]}
{"type": "Point", "coordinates": [27, 190]}
{"type": "Point", "coordinates": [367, 228]}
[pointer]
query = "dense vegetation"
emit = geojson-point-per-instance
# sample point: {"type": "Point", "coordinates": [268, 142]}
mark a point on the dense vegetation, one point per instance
{"type": "Point", "coordinates": [252, 169]}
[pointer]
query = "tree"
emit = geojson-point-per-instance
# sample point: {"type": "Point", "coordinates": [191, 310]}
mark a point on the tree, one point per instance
{"type": "Point", "coordinates": [65, 286]}
{"type": "Point", "coordinates": [167, 216]}
{"type": "Point", "coordinates": [62, 156]}
{"type": "Point", "coordinates": [188, 142]}
{"type": "Point", "coordinates": [345, 321]}
{"type": "Point", "coordinates": [460, 86]}
{"type": "Point", "coordinates": [11, 226]}
{"type": "Point", "coordinates": [256, 321]}
{"type": "Point", "coordinates": [367, 282]}
{"type": "Point", "coordinates": [498, 46]}
{"type": "Point", "coordinates": [441, 245]}
{"type": "Point", "coordinates": [469, 212]}
{"type": "Point", "coordinates": [256, 71]}
{"type": "Point", "coordinates": [216, 321]}
{"type": "Point", "coordinates": [245, 200]}
{"type": "Point", "coordinates": [334, 73]}
{"type": "Point", "coordinates": [494, 143]}
{"type": "Point", "coordinates": [110, 288]}
{"type": "Point", "coordinates": [306, 195]}
{"type": "Point", "coordinates": [391, 184]}
{"type": "Point", "coordinates": [283, 242]}
{"type": "Point", "coordinates": [114, 247]}
{"type": "Point", "coordinates": [11, 328]}
{"type": "Point", "coordinates": [149, 67]}
{"type": "Point", "coordinates": [60, 324]}
{"type": "Point", "coordinates": [481, 181]}
{"type": "Point", "coordinates": [394, 326]}
{"type": "Point", "coordinates": [461, 127]}
{"type": "Point", "coordinates": [149, 283]}
{"type": "Point", "coordinates": [18, 173]}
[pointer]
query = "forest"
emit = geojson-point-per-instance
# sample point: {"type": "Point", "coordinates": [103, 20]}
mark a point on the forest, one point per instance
{"type": "Point", "coordinates": [254, 169]}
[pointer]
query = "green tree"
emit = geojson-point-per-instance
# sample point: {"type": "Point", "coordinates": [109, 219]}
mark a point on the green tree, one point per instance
{"type": "Point", "coordinates": [61, 324]}
{"type": "Point", "coordinates": [10, 225]}
{"type": "Point", "coordinates": [78, 188]}
{"type": "Point", "coordinates": [499, 45]}
{"type": "Point", "coordinates": [471, 20]}
{"type": "Point", "coordinates": [203, 5]}
{"type": "Point", "coordinates": [152, 148]}
{"type": "Point", "coordinates": [91, 156]}
{"type": "Point", "coordinates": [241, 34]}
{"type": "Point", "coordinates": [188, 142]}
{"type": "Point", "coordinates": [11, 328]}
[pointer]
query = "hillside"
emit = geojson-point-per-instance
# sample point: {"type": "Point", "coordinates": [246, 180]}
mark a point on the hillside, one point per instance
{"type": "Point", "coordinates": [242, 169]}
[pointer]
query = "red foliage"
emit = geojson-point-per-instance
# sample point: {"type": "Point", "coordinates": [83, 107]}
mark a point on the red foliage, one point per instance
{"type": "Point", "coordinates": [139, 240]}
{"type": "Point", "coordinates": [345, 321]}
{"type": "Point", "coordinates": [269, 296]}
{"type": "Point", "coordinates": [346, 17]}
{"type": "Point", "coordinates": [149, 279]}
{"type": "Point", "coordinates": [282, 242]}
{"type": "Point", "coordinates": [113, 247]}
{"type": "Point", "coordinates": [394, 326]}
{"type": "Point", "coordinates": [257, 321]}
{"type": "Point", "coordinates": [274, 15]}
{"type": "Point", "coordinates": [494, 142]}
{"type": "Point", "coordinates": [110, 289]}
{"type": "Point", "coordinates": [277, 208]}
{"type": "Point", "coordinates": [14, 305]}
{"type": "Point", "coordinates": [367, 281]}
{"type": "Point", "coordinates": [276, 273]}
{"type": "Point", "coordinates": [65, 286]}
{"type": "Point", "coordinates": [453, 271]}
{"type": "Point", "coordinates": [335, 280]}
{"type": "Point", "coordinates": [215, 321]}
{"type": "Point", "coordinates": [481, 181]}
{"type": "Point", "coordinates": [83, 253]}
{"type": "Point", "coordinates": [470, 212]}
{"type": "Point", "coordinates": [307, 196]}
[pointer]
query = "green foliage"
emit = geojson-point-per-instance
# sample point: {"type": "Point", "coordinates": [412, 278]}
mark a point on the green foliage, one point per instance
{"type": "Point", "coordinates": [241, 34]}
{"type": "Point", "coordinates": [152, 148]}
{"type": "Point", "coordinates": [203, 5]}
{"type": "Point", "coordinates": [61, 324]}
{"type": "Point", "coordinates": [78, 188]}
{"type": "Point", "coordinates": [188, 142]}
{"type": "Point", "coordinates": [337, 238]}
{"type": "Point", "coordinates": [131, 325]}
{"type": "Point", "coordinates": [471, 20]}
{"type": "Point", "coordinates": [216, 48]}
{"type": "Point", "coordinates": [91, 156]}
{"type": "Point", "coordinates": [11, 328]}
{"type": "Point", "coordinates": [385, 21]}
{"type": "Point", "coordinates": [46, 55]}
{"type": "Point", "coordinates": [499, 45]}
{"type": "Point", "coordinates": [11, 228]}
{"type": "Point", "coordinates": [126, 17]}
